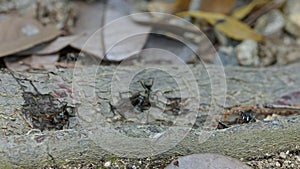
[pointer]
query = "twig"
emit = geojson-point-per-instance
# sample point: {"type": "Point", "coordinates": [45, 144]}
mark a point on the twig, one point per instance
{"type": "Point", "coordinates": [275, 106]}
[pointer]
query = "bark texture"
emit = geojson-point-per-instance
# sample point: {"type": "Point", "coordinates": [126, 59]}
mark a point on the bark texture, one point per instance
{"type": "Point", "coordinates": [23, 146]}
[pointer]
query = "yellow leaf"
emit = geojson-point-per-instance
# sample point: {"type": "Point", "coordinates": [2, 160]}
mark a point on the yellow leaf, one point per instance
{"type": "Point", "coordinates": [168, 7]}
{"type": "Point", "coordinates": [165, 7]}
{"type": "Point", "coordinates": [218, 6]}
{"type": "Point", "coordinates": [242, 11]}
{"type": "Point", "coordinates": [230, 26]}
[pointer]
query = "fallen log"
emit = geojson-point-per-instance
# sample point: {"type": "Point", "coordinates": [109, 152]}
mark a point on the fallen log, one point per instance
{"type": "Point", "coordinates": [30, 140]}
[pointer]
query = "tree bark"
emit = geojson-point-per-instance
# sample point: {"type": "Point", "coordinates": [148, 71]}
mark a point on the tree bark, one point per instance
{"type": "Point", "coordinates": [23, 146]}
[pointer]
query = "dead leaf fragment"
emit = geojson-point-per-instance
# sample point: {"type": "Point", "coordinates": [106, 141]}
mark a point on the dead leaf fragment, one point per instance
{"type": "Point", "coordinates": [206, 161]}
{"type": "Point", "coordinates": [32, 62]}
{"type": "Point", "coordinates": [253, 16]}
{"type": "Point", "coordinates": [58, 44]}
{"type": "Point", "coordinates": [291, 10]}
{"type": "Point", "coordinates": [18, 34]}
{"type": "Point", "coordinates": [218, 6]}
{"type": "Point", "coordinates": [230, 26]}
{"type": "Point", "coordinates": [168, 7]}
{"type": "Point", "coordinates": [165, 7]}
{"type": "Point", "coordinates": [121, 36]}
{"type": "Point", "coordinates": [243, 11]}
{"type": "Point", "coordinates": [13, 28]}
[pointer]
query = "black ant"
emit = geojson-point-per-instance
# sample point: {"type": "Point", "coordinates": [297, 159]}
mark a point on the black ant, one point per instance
{"type": "Point", "coordinates": [141, 100]}
{"type": "Point", "coordinates": [245, 116]}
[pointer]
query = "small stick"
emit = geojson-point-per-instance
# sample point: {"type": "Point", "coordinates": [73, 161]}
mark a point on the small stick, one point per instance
{"type": "Point", "coordinates": [275, 106]}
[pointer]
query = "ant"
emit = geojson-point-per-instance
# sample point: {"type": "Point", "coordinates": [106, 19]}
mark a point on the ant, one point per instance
{"type": "Point", "coordinates": [141, 100]}
{"type": "Point", "coordinates": [244, 116]}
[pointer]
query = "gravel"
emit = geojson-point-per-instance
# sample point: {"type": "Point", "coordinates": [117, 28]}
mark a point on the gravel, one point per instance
{"type": "Point", "coordinates": [281, 160]}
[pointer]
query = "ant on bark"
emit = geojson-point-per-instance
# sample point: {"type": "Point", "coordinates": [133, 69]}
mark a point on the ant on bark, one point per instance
{"type": "Point", "coordinates": [141, 100]}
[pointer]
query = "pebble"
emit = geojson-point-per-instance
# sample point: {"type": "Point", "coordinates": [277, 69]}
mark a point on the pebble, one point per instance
{"type": "Point", "coordinates": [291, 160]}
{"type": "Point", "coordinates": [247, 53]}
{"type": "Point", "coordinates": [282, 155]}
{"type": "Point", "coordinates": [270, 23]}
{"type": "Point", "coordinates": [260, 165]}
{"type": "Point", "coordinates": [107, 164]}
{"type": "Point", "coordinates": [291, 10]}
{"type": "Point", "coordinates": [287, 162]}
{"type": "Point", "coordinates": [270, 160]}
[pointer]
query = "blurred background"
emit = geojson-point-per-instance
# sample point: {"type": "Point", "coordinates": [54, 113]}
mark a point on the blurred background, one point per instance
{"type": "Point", "coordinates": [50, 34]}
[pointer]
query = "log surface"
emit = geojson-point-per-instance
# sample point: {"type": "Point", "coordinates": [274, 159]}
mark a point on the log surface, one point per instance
{"type": "Point", "coordinates": [23, 146]}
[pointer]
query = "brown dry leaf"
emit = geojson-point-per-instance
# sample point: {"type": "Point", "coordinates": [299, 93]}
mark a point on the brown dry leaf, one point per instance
{"type": "Point", "coordinates": [243, 11]}
{"type": "Point", "coordinates": [13, 27]}
{"type": "Point", "coordinates": [89, 21]}
{"type": "Point", "coordinates": [253, 16]}
{"type": "Point", "coordinates": [51, 47]}
{"type": "Point", "coordinates": [122, 37]}
{"type": "Point", "coordinates": [17, 63]}
{"type": "Point", "coordinates": [217, 6]}
{"type": "Point", "coordinates": [168, 7]}
{"type": "Point", "coordinates": [230, 26]}
{"type": "Point", "coordinates": [206, 161]}
{"type": "Point", "coordinates": [89, 45]}
{"type": "Point", "coordinates": [181, 5]}
{"type": "Point", "coordinates": [18, 34]}
{"type": "Point", "coordinates": [58, 44]}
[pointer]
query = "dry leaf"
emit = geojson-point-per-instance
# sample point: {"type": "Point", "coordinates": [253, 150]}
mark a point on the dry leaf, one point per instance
{"type": "Point", "coordinates": [165, 7]}
{"type": "Point", "coordinates": [168, 7]}
{"type": "Point", "coordinates": [58, 44]}
{"type": "Point", "coordinates": [17, 63]}
{"type": "Point", "coordinates": [243, 11]}
{"type": "Point", "coordinates": [122, 37]}
{"type": "Point", "coordinates": [253, 16]}
{"type": "Point", "coordinates": [181, 5]}
{"type": "Point", "coordinates": [217, 6]}
{"type": "Point", "coordinates": [206, 161]}
{"type": "Point", "coordinates": [89, 43]}
{"type": "Point", "coordinates": [18, 34]}
{"type": "Point", "coordinates": [230, 26]}
{"type": "Point", "coordinates": [13, 27]}
{"type": "Point", "coordinates": [89, 18]}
